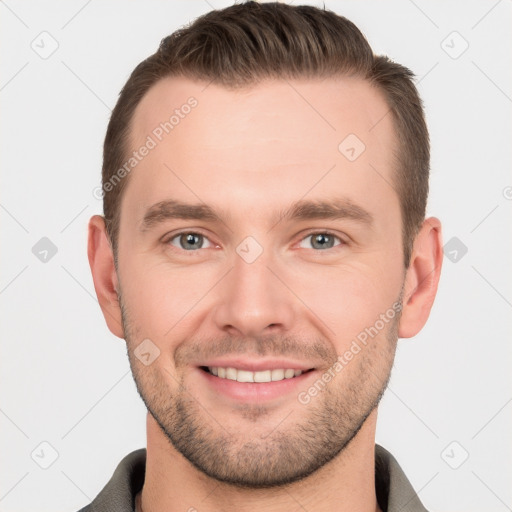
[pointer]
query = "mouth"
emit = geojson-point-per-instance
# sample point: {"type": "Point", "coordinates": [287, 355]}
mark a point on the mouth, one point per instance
{"type": "Point", "coordinates": [267, 383]}
{"type": "Point", "coordinates": [261, 376]}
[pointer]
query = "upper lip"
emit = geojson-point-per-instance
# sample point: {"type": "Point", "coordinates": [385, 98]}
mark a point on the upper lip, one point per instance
{"type": "Point", "coordinates": [257, 365]}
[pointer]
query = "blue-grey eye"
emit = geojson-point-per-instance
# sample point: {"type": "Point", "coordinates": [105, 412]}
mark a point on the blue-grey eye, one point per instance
{"type": "Point", "coordinates": [320, 241]}
{"type": "Point", "coordinates": [189, 241]}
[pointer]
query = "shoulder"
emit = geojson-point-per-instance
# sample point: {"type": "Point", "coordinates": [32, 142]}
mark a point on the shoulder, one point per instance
{"type": "Point", "coordinates": [394, 491]}
{"type": "Point", "coordinates": [119, 493]}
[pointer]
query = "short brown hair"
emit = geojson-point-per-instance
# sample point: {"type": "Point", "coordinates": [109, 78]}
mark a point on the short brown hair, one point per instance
{"type": "Point", "coordinates": [245, 43]}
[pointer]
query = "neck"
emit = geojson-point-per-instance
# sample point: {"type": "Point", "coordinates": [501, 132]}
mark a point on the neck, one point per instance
{"type": "Point", "coordinates": [347, 483]}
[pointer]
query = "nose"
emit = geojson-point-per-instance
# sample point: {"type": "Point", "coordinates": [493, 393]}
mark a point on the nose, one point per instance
{"type": "Point", "coordinates": [253, 299]}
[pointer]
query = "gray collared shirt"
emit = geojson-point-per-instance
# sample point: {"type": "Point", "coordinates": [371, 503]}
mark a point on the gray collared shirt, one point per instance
{"type": "Point", "coordinates": [393, 489]}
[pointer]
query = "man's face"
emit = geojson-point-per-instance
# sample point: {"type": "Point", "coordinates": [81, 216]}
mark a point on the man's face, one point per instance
{"type": "Point", "coordinates": [266, 286]}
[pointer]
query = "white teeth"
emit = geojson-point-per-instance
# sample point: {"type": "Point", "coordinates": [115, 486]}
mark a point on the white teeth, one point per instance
{"type": "Point", "coordinates": [244, 376]}
{"type": "Point", "coordinates": [277, 375]}
{"type": "Point", "coordinates": [265, 376]}
{"type": "Point", "coordinates": [231, 373]}
{"type": "Point", "coordinates": [247, 376]}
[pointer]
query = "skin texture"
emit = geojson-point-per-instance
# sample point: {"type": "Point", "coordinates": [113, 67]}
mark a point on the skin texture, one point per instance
{"type": "Point", "coordinates": [249, 155]}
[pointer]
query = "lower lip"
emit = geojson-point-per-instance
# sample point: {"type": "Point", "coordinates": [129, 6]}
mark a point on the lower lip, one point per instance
{"type": "Point", "coordinates": [256, 391]}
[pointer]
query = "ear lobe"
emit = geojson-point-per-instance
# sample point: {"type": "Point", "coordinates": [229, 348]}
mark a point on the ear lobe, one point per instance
{"type": "Point", "coordinates": [101, 261]}
{"type": "Point", "coordinates": [422, 278]}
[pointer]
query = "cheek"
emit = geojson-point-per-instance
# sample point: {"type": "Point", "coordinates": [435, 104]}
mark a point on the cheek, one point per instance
{"type": "Point", "coordinates": [161, 298]}
{"type": "Point", "coordinates": [347, 299]}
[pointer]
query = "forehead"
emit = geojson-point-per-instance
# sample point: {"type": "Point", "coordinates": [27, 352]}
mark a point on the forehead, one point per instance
{"type": "Point", "coordinates": [327, 107]}
{"type": "Point", "coordinates": [279, 135]}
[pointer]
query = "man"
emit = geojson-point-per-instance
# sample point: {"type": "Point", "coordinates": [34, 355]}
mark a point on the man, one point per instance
{"type": "Point", "coordinates": [263, 247]}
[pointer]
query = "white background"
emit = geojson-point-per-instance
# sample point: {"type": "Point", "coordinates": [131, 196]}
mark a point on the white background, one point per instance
{"type": "Point", "coordinates": [65, 378]}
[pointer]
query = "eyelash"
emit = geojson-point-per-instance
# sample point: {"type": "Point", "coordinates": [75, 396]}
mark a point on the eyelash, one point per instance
{"type": "Point", "coordinates": [167, 240]}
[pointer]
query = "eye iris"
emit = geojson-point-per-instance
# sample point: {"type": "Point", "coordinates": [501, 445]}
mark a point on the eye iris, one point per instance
{"type": "Point", "coordinates": [191, 241]}
{"type": "Point", "coordinates": [195, 241]}
{"type": "Point", "coordinates": [324, 241]}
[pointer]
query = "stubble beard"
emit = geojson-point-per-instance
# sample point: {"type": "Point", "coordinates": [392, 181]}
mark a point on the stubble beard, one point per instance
{"type": "Point", "coordinates": [309, 437]}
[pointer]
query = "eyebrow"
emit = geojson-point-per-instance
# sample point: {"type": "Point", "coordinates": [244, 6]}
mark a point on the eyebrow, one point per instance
{"type": "Point", "coordinates": [300, 210]}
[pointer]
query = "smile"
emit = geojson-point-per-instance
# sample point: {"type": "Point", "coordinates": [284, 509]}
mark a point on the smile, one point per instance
{"type": "Point", "coordinates": [249, 376]}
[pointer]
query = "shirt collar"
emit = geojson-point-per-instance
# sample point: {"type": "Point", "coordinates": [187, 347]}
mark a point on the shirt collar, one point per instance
{"type": "Point", "coordinates": [394, 491]}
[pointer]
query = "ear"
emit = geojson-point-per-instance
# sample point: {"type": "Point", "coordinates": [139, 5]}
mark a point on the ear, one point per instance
{"type": "Point", "coordinates": [422, 278]}
{"type": "Point", "coordinates": [101, 261]}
